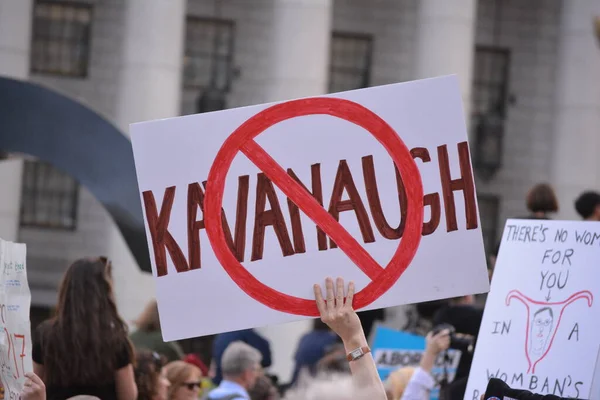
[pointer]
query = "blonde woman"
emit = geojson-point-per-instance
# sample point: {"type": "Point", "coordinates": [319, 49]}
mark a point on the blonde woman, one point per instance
{"type": "Point", "coordinates": [148, 335]}
{"type": "Point", "coordinates": [397, 381]}
{"type": "Point", "coordinates": [185, 379]}
{"type": "Point", "coordinates": [416, 383]}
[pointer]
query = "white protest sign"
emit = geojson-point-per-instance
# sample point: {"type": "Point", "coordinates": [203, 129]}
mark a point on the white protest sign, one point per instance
{"type": "Point", "coordinates": [15, 327]}
{"type": "Point", "coordinates": [541, 321]}
{"type": "Point", "coordinates": [227, 245]}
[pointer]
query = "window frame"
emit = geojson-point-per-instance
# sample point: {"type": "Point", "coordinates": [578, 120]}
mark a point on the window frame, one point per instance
{"type": "Point", "coordinates": [88, 39]}
{"type": "Point", "coordinates": [231, 24]}
{"type": "Point", "coordinates": [497, 204]}
{"type": "Point", "coordinates": [366, 74]}
{"type": "Point", "coordinates": [505, 86]}
{"type": "Point", "coordinates": [35, 193]}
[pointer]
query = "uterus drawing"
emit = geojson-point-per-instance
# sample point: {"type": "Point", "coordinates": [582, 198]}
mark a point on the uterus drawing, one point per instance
{"type": "Point", "coordinates": [543, 321]}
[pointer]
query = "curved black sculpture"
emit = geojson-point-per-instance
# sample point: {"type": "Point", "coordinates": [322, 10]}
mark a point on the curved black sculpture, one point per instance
{"type": "Point", "coordinates": [76, 140]}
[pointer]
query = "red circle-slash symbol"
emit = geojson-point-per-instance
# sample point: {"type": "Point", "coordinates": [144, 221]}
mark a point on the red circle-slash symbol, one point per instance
{"type": "Point", "coordinates": [242, 140]}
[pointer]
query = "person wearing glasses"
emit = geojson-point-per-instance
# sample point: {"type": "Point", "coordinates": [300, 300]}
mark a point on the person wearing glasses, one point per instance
{"type": "Point", "coordinates": [85, 349]}
{"type": "Point", "coordinates": [185, 379]}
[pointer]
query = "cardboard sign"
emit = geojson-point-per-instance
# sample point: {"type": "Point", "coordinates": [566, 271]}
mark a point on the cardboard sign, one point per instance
{"type": "Point", "coordinates": [15, 327]}
{"type": "Point", "coordinates": [541, 321]}
{"type": "Point", "coordinates": [246, 209]}
{"type": "Point", "coordinates": [393, 350]}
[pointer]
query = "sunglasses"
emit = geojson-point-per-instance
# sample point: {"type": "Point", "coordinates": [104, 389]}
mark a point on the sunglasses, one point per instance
{"type": "Point", "coordinates": [192, 385]}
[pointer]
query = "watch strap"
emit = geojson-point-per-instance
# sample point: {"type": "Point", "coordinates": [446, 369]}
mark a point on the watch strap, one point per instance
{"type": "Point", "coordinates": [358, 353]}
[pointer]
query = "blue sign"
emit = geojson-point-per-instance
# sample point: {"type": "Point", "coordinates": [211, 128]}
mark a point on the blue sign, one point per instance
{"type": "Point", "coordinates": [393, 350]}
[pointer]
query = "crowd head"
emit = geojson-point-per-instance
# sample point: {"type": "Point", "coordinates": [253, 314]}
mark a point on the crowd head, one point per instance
{"type": "Point", "coordinates": [150, 376]}
{"type": "Point", "coordinates": [185, 379]}
{"type": "Point", "coordinates": [588, 206]}
{"type": "Point", "coordinates": [86, 342]}
{"type": "Point", "coordinates": [241, 364]}
{"type": "Point", "coordinates": [541, 201]}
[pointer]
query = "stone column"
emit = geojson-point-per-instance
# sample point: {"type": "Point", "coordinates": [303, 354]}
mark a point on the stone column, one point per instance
{"type": "Point", "coordinates": [575, 162]}
{"type": "Point", "coordinates": [149, 88]}
{"type": "Point", "coordinates": [299, 62]}
{"type": "Point", "coordinates": [15, 39]}
{"type": "Point", "coordinates": [150, 81]}
{"type": "Point", "coordinates": [300, 49]}
{"type": "Point", "coordinates": [445, 42]}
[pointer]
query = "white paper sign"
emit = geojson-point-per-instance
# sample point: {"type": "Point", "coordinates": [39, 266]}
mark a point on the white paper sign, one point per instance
{"type": "Point", "coordinates": [541, 321]}
{"type": "Point", "coordinates": [230, 251]}
{"type": "Point", "coordinates": [15, 327]}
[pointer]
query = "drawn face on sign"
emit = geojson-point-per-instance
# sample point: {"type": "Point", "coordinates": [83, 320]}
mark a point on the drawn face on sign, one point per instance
{"type": "Point", "coordinates": [541, 329]}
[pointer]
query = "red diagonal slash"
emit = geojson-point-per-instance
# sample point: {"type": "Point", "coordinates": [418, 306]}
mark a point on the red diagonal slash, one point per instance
{"type": "Point", "coordinates": [312, 209]}
{"type": "Point", "coordinates": [382, 279]}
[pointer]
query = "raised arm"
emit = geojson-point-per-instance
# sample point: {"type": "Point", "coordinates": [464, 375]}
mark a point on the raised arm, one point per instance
{"type": "Point", "coordinates": [340, 316]}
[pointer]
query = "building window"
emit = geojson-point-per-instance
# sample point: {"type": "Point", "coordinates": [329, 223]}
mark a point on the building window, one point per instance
{"type": "Point", "coordinates": [489, 108]}
{"type": "Point", "coordinates": [49, 197]}
{"type": "Point", "coordinates": [489, 213]}
{"type": "Point", "coordinates": [61, 38]}
{"type": "Point", "coordinates": [490, 81]}
{"type": "Point", "coordinates": [350, 64]}
{"type": "Point", "coordinates": [208, 58]}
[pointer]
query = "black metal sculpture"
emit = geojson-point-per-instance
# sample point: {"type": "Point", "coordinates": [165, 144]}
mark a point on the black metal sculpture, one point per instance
{"type": "Point", "coordinates": [76, 140]}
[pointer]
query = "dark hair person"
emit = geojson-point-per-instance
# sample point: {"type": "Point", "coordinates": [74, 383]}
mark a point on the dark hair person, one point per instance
{"type": "Point", "coordinates": [587, 206]}
{"type": "Point", "coordinates": [541, 201]}
{"type": "Point", "coordinates": [150, 376]}
{"type": "Point", "coordinates": [84, 349]}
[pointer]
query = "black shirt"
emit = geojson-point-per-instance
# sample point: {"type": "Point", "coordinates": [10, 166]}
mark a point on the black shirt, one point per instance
{"type": "Point", "coordinates": [104, 392]}
{"type": "Point", "coordinates": [465, 319]}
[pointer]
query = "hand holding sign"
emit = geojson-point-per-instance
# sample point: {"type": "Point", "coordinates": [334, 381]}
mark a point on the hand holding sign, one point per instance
{"type": "Point", "coordinates": [364, 184]}
{"type": "Point", "coordinates": [34, 388]}
{"type": "Point", "coordinates": [15, 328]}
{"type": "Point", "coordinates": [339, 314]}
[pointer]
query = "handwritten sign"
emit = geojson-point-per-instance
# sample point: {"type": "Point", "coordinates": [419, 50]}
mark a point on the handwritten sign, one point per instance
{"type": "Point", "coordinates": [541, 322]}
{"type": "Point", "coordinates": [246, 209]}
{"type": "Point", "coordinates": [393, 350]}
{"type": "Point", "coordinates": [15, 327]}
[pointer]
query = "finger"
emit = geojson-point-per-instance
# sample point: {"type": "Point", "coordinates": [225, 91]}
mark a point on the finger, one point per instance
{"type": "Point", "coordinates": [27, 390]}
{"type": "Point", "coordinates": [441, 334]}
{"type": "Point", "coordinates": [339, 293]}
{"type": "Point", "coordinates": [319, 298]}
{"type": "Point", "coordinates": [350, 295]}
{"type": "Point", "coordinates": [330, 296]}
{"type": "Point", "coordinates": [34, 378]}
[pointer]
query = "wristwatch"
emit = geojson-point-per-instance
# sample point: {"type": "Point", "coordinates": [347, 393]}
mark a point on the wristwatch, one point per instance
{"type": "Point", "coordinates": [358, 353]}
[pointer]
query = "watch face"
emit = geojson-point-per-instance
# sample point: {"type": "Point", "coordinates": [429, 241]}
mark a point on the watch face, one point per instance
{"type": "Point", "coordinates": [356, 353]}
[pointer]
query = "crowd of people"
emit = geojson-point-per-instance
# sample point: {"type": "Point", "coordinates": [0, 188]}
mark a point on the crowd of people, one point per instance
{"type": "Point", "coordinates": [87, 351]}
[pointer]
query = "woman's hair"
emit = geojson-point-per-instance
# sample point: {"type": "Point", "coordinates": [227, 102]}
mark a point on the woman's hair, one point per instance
{"type": "Point", "coordinates": [541, 198]}
{"type": "Point", "coordinates": [149, 320]}
{"type": "Point", "coordinates": [147, 370]}
{"type": "Point", "coordinates": [82, 343]}
{"type": "Point", "coordinates": [178, 373]}
{"type": "Point", "coordinates": [263, 389]}
{"type": "Point", "coordinates": [330, 387]}
{"type": "Point", "coordinates": [397, 381]}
